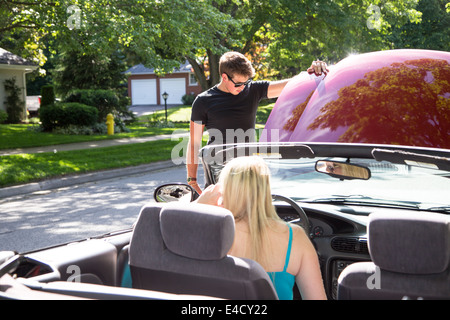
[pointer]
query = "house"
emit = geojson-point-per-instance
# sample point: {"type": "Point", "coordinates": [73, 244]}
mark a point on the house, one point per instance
{"type": "Point", "coordinates": [12, 66]}
{"type": "Point", "coordinates": [146, 88]}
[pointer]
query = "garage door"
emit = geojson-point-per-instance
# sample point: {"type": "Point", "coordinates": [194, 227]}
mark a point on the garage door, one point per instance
{"type": "Point", "coordinates": [176, 88]}
{"type": "Point", "coordinates": [143, 91]}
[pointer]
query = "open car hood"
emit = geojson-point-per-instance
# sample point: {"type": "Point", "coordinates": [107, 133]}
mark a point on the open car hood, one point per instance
{"type": "Point", "coordinates": [399, 97]}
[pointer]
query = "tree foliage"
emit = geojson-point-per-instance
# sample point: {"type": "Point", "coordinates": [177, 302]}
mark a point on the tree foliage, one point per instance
{"type": "Point", "coordinates": [281, 37]}
{"type": "Point", "coordinates": [432, 33]}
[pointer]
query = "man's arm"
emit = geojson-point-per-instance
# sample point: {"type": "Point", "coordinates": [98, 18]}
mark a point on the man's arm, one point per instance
{"type": "Point", "coordinates": [194, 145]}
{"type": "Point", "coordinates": [275, 87]}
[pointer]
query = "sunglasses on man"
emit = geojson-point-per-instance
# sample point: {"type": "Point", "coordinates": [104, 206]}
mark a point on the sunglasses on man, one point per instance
{"type": "Point", "coordinates": [239, 84]}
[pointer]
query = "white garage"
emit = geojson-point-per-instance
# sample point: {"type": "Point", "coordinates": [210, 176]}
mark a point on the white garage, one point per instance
{"type": "Point", "coordinates": [143, 91]}
{"type": "Point", "coordinates": [145, 87]}
{"type": "Point", "coordinates": [176, 88]}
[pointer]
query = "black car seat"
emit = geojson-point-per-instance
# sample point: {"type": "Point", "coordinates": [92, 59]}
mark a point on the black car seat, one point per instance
{"type": "Point", "coordinates": [182, 248]}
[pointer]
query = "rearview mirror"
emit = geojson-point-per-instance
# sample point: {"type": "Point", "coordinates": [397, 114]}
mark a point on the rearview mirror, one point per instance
{"type": "Point", "coordinates": [174, 192]}
{"type": "Point", "coordinates": [343, 170]}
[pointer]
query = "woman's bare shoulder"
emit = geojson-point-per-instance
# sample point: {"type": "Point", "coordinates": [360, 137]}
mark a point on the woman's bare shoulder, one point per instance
{"type": "Point", "coordinates": [299, 231]}
{"type": "Point", "coordinates": [301, 238]}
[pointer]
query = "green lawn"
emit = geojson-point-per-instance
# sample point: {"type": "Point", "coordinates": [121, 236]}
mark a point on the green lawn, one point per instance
{"type": "Point", "coordinates": [22, 136]}
{"type": "Point", "coordinates": [24, 168]}
{"type": "Point", "coordinates": [175, 114]}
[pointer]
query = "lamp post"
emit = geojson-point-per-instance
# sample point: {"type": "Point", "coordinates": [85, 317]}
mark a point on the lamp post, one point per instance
{"type": "Point", "coordinates": [165, 95]}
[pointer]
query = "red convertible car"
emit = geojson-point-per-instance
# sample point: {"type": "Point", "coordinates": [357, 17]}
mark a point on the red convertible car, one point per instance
{"type": "Point", "coordinates": [360, 159]}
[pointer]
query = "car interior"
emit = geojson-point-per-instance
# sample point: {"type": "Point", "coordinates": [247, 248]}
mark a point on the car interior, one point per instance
{"type": "Point", "coordinates": [365, 252]}
{"type": "Point", "coordinates": [342, 243]}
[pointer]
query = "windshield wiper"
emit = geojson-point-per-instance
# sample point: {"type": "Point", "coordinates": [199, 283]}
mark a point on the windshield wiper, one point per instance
{"type": "Point", "coordinates": [364, 200]}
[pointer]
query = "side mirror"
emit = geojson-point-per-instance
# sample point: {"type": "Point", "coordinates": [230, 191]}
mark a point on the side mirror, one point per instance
{"type": "Point", "coordinates": [343, 170]}
{"type": "Point", "coordinates": [174, 192]}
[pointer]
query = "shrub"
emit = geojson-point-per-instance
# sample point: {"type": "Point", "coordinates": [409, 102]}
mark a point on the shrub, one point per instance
{"type": "Point", "coordinates": [63, 115]}
{"type": "Point", "coordinates": [100, 128]}
{"type": "Point", "coordinates": [3, 116]}
{"type": "Point", "coordinates": [188, 99]}
{"type": "Point", "coordinates": [47, 95]}
{"type": "Point", "coordinates": [105, 101]}
{"type": "Point", "coordinates": [74, 130]}
{"type": "Point", "coordinates": [51, 116]}
{"type": "Point", "coordinates": [14, 104]}
{"type": "Point", "coordinates": [119, 126]}
{"type": "Point", "coordinates": [80, 115]}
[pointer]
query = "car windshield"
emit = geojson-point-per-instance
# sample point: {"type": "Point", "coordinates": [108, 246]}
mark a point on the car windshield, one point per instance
{"type": "Point", "coordinates": [389, 184]}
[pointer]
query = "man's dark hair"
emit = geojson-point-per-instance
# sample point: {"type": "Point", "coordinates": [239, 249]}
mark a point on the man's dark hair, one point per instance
{"type": "Point", "coordinates": [233, 63]}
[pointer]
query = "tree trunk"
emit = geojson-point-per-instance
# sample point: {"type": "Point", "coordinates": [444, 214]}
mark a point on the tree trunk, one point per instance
{"type": "Point", "coordinates": [199, 72]}
{"type": "Point", "coordinates": [214, 76]}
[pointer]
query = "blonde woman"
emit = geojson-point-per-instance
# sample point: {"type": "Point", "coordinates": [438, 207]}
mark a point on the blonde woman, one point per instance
{"type": "Point", "coordinates": [284, 250]}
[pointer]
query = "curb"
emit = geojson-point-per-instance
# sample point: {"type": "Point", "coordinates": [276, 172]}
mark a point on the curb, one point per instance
{"type": "Point", "coordinates": [83, 178]}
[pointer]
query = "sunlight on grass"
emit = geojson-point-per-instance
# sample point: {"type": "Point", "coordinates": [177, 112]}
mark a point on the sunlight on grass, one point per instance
{"type": "Point", "coordinates": [22, 168]}
{"type": "Point", "coordinates": [175, 114]}
{"type": "Point", "coordinates": [21, 136]}
{"type": "Point", "coordinates": [25, 168]}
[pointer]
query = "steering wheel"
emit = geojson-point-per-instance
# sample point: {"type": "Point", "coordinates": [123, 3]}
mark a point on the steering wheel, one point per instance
{"type": "Point", "coordinates": [303, 220]}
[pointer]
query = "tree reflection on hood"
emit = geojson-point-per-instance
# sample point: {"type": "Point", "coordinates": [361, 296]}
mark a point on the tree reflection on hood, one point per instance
{"type": "Point", "coordinates": [406, 103]}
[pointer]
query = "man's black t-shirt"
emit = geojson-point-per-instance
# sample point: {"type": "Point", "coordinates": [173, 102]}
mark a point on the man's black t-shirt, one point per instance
{"type": "Point", "coordinates": [225, 112]}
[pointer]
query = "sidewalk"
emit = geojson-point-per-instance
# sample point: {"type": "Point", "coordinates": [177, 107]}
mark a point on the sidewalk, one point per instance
{"type": "Point", "coordinates": [137, 110]}
{"type": "Point", "coordinates": [91, 144]}
{"type": "Point", "coordinates": [88, 177]}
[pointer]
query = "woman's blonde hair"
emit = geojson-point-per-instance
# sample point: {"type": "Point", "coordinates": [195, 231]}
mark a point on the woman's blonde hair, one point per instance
{"type": "Point", "coordinates": [246, 193]}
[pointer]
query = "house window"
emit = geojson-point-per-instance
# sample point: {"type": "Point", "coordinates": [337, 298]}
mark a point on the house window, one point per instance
{"type": "Point", "coordinates": [192, 79]}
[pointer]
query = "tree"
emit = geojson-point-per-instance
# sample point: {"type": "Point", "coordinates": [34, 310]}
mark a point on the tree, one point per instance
{"type": "Point", "coordinates": [282, 37]}
{"type": "Point", "coordinates": [23, 24]}
{"type": "Point", "coordinates": [78, 70]}
{"type": "Point", "coordinates": [13, 102]}
{"type": "Point", "coordinates": [432, 33]}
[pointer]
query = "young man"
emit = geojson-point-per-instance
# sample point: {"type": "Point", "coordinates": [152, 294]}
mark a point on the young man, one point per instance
{"type": "Point", "coordinates": [228, 110]}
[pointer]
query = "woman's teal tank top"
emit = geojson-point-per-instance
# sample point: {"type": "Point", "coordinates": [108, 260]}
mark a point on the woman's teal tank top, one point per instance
{"type": "Point", "coordinates": [284, 281]}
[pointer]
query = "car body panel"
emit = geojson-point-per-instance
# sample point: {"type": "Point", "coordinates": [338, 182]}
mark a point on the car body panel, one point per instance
{"type": "Point", "coordinates": [398, 97]}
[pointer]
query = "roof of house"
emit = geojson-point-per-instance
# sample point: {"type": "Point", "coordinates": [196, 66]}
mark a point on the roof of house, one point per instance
{"type": "Point", "coordinates": [141, 69]}
{"type": "Point", "coordinates": [9, 58]}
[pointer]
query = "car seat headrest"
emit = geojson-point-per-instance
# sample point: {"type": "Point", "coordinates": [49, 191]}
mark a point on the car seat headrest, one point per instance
{"type": "Point", "coordinates": [413, 243]}
{"type": "Point", "coordinates": [197, 231]}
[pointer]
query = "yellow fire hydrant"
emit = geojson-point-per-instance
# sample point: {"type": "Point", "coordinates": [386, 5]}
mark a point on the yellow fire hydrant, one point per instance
{"type": "Point", "coordinates": [110, 124]}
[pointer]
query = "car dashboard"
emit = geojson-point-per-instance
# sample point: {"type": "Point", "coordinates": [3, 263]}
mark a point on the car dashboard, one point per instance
{"type": "Point", "coordinates": [339, 234]}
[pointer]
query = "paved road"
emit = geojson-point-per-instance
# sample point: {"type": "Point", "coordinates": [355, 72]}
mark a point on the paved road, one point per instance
{"type": "Point", "coordinates": [51, 212]}
{"type": "Point", "coordinates": [51, 217]}
{"type": "Point", "coordinates": [145, 110]}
